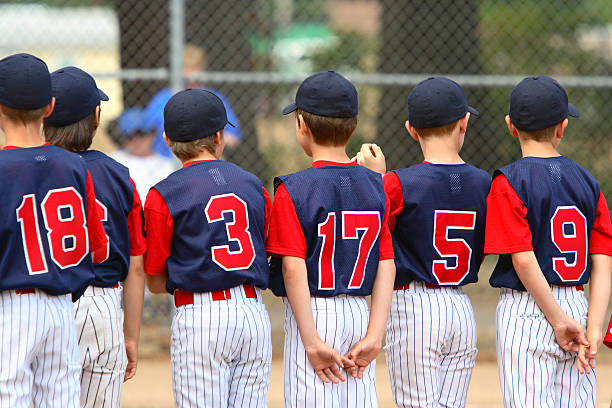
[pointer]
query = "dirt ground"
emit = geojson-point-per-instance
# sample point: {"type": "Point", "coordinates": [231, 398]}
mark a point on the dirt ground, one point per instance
{"type": "Point", "coordinates": [152, 386]}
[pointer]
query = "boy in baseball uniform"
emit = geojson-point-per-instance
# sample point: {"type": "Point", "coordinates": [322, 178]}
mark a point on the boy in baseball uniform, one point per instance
{"type": "Point", "coordinates": [437, 220]}
{"type": "Point", "coordinates": [51, 233]}
{"type": "Point", "coordinates": [330, 237]}
{"type": "Point", "coordinates": [549, 222]}
{"type": "Point", "coordinates": [108, 338]}
{"type": "Point", "coordinates": [206, 226]}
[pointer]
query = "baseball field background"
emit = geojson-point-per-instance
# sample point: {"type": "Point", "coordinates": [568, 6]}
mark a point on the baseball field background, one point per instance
{"type": "Point", "coordinates": [256, 52]}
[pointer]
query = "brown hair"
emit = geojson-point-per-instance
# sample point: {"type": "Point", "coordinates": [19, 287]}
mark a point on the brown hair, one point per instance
{"type": "Point", "coordinates": [188, 150]}
{"type": "Point", "coordinates": [328, 131]}
{"type": "Point", "coordinates": [76, 137]}
{"type": "Point", "coordinates": [23, 115]}
{"type": "Point", "coordinates": [438, 130]}
{"type": "Point", "coordinates": [540, 135]}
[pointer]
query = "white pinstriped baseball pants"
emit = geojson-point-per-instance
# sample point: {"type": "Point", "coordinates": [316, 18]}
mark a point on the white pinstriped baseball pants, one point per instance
{"type": "Point", "coordinates": [431, 346]}
{"type": "Point", "coordinates": [221, 352]}
{"type": "Point", "coordinates": [99, 320]}
{"type": "Point", "coordinates": [534, 371]}
{"type": "Point", "coordinates": [39, 358]}
{"type": "Point", "coordinates": [341, 322]}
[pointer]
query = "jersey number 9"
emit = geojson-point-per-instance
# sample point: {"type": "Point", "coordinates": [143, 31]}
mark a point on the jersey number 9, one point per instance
{"type": "Point", "coordinates": [64, 219]}
{"type": "Point", "coordinates": [568, 231]}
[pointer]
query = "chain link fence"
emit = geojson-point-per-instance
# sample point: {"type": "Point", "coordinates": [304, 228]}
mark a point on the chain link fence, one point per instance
{"type": "Point", "coordinates": [256, 52]}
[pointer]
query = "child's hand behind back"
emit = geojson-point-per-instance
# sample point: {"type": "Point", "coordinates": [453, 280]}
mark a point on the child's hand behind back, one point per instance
{"type": "Point", "coordinates": [372, 157]}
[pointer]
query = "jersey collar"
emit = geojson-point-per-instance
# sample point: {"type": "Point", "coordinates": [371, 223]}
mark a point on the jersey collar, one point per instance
{"type": "Point", "coordinates": [324, 163]}
{"type": "Point", "coordinates": [19, 147]}
{"type": "Point", "coordinates": [189, 163]}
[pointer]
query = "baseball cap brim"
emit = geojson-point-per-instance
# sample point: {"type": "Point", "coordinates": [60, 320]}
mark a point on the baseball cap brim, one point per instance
{"type": "Point", "coordinates": [289, 108]}
{"type": "Point", "coordinates": [231, 124]}
{"type": "Point", "coordinates": [103, 96]}
{"type": "Point", "coordinates": [473, 111]}
{"type": "Point", "coordinates": [573, 111]}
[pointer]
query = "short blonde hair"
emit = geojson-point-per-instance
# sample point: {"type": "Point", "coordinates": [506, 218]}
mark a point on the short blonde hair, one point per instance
{"type": "Point", "coordinates": [326, 130]}
{"type": "Point", "coordinates": [194, 57]}
{"type": "Point", "coordinates": [23, 115]}
{"type": "Point", "coordinates": [188, 150]}
{"type": "Point", "coordinates": [438, 131]}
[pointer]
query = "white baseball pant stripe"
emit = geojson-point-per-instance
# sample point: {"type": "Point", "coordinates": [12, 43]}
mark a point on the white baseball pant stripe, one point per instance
{"type": "Point", "coordinates": [534, 371]}
{"type": "Point", "coordinates": [99, 320]}
{"type": "Point", "coordinates": [430, 346]}
{"type": "Point", "coordinates": [341, 322]}
{"type": "Point", "coordinates": [39, 359]}
{"type": "Point", "coordinates": [221, 352]}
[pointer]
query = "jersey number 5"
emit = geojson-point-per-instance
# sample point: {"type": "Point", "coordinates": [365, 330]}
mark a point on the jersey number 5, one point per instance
{"type": "Point", "coordinates": [568, 231]}
{"type": "Point", "coordinates": [237, 231]}
{"type": "Point", "coordinates": [352, 223]}
{"type": "Point", "coordinates": [64, 218]}
{"type": "Point", "coordinates": [457, 248]}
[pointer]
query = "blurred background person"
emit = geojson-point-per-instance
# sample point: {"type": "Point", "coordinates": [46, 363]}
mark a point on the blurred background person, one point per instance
{"type": "Point", "coordinates": [135, 133]}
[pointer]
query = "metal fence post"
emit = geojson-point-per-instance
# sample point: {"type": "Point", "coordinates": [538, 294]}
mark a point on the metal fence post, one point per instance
{"type": "Point", "coordinates": [177, 42]}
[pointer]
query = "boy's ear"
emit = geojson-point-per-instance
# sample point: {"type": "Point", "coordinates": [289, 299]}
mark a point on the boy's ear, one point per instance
{"type": "Point", "coordinates": [463, 122]}
{"type": "Point", "coordinates": [97, 116]}
{"type": "Point", "coordinates": [302, 125]}
{"type": "Point", "coordinates": [166, 139]}
{"type": "Point", "coordinates": [561, 128]}
{"type": "Point", "coordinates": [412, 131]}
{"type": "Point", "coordinates": [50, 107]}
{"type": "Point", "coordinates": [218, 137]}
{"type": "Point", "coordinates": [511, 127]}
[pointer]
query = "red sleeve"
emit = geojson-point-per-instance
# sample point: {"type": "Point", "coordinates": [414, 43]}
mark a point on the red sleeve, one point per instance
{"type": "Point", "coordinates": [601, 234]}
{"type": "Point", "coordinates": [160, 230]}
{"type": "Point", "coordinates": [98, 241]}
{"type": "Point", "coordinates": [285, 235]}
{"type": "Point", "coordinates": [393, 188]}
{"type": "Point", "coordinates": [138, 244]}
{"type": "Point", "coordinates": [268, 211]}
{"type": "Point", "coordinates": [507, 230]}
{"type": "Point", "coordinates": [608, 337]}
{"type": "Point", "coordinates": [386, 244]}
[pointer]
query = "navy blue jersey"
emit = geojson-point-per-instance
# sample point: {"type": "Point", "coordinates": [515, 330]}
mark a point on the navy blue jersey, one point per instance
{"type": "Point", "coordinates": [561, 200]}
{"type": "Point", "coordinates": [439, 233]}
{"type": "Point", "coordinates": [218, 214]}
{"type": "Point", "coordinates": [341, 210]}
{"type": "Point", "coordinates": [115, 196]}
{"type": "Point", "coordinates": [43, 221]}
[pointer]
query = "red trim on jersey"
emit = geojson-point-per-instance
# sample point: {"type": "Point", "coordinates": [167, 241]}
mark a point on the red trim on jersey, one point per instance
{"type": "Point", "coordinates": [268, 212]}
{"type": "Point", "coordinates": [324, 163]}
{"type": "Point", "coordinates": [160, 230]}
{"type": "Point", "coordinates": [507, 229]}
{"type": "Point", "coordinates": [608, 337]}
{"type": "Point", "coordinates": [98, 240]}
{"type": "Point", "coordinates": [393, 188]}
{"type": "Point", "coordinates": [285, 235]}
{"type": "Point", "coordinates": [189, 163]}
{"type": "Point", "coordinates": [20, 147]}
{"type": "Point", "coordinates": [601, 234]}
{"type": "Point", "coordinates": [138, 243]}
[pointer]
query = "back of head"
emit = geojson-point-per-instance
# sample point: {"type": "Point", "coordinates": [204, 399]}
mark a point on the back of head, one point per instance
{"type": "Point", "coordinates": [436, 105]}
{"type": "Point", "coordinates": [25, 88]}
{"type": "Point", "coordinates": [537, 105]}
{"type": "Point", "coordinates": [73, 122]}
{"type": "Point", "coordinates": [191, 119]}
{"type": "Point", "coordinates": [328, 102]}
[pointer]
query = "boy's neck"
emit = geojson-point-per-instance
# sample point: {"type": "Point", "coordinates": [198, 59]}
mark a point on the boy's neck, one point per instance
{"type": "Point", "coordinates": [532, 148]}
{"type": "Point", "coordinates": [23, 135]}
{"type": "Point", "coordinates": [201, 157]}
{"type": "Point", "coordinates": [440, 150]}
{"type": "Point", "coordinates": [330, 153]}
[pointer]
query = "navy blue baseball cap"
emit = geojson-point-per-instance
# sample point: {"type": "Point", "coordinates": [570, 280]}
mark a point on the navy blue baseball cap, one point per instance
{"type": "Point", "coordinates": [76, 96]}
{"type": "Point", "coordinates": [25, 82]}
{"type": "Point", "coordinates": [539, 102]}
{"type": "Point", "coordinates": [326, 93]}
{"type": "Point", "coordinates": [436, 102]}
{"type": "Point", "coordinates": [194, 114]}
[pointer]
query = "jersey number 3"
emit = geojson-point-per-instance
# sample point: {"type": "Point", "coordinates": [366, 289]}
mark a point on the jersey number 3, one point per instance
{"type": "Point", "coordinates": [237, 231]}
{"type": "Point", "coordinates": [64, 218]}
{"type": "Point", "coordinates": [457, 248]}
{"type": "Point", "coordinates": [352, 223]}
